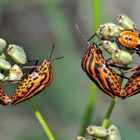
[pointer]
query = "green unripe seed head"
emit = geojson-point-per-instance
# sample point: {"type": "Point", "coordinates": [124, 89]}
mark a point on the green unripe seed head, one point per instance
{"type": "Point", "coordinates": [17, 53]}
{"type": "Point", "coordinates": [2, 44]}
{"type": "Point", "coordinates": [113, 133]}
{"type": "Point", "coordinates": [97, 132]}
{"type": "Point", "coordinates": [109, 46]}
{"type": "Point", "coordinates": [126, 22]}
{"type": "Point", "coordinates": [15, 73]}
{"type": "Point", "coordinates": [109, 31]}
{"type": "Point", "coordinates": [1, 76]}
{"type": "Point", "coordinates": [5, 65]}
{"type": "Point", "coordinates": [122, 57]}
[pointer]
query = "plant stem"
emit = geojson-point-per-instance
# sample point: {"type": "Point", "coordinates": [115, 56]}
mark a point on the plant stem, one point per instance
{"type": "Point", "coordinates": [92, 95]}
{"type": "Point", "coordinates": [89, 109]}
{"type": "Point", "coordinates": [110, 109]}
{"type": "Point", "coordinates": [96, 8]}
{"type": "Point", "coordinates": [41, 120]}
{"type": "Point", "coordinates": [108, 113]}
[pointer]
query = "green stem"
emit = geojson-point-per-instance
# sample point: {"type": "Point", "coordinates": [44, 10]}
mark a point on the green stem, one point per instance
{"type": "Point", "coordinates": [108, 113]}
{"type": "Point", "coordinates": [89, 109]}
{"type": "Point", "coordinates": [92, 95]}
{"type": "Point", "coordinates": [96, 8]}
{"type": "Point", "coordinates": [41, 120]}
{"type": "Point", "coordinates": [110, 109]}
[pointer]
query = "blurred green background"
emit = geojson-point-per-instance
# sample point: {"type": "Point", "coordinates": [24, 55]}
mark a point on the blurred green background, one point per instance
{"type": "Point", "coordinates": [36, 25]}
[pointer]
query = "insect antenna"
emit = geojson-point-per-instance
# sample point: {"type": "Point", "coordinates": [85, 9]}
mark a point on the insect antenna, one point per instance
{"type": "Point", "coordinates": [82, 35]}
{"type": "Point", "coordinates": [80, 32]}
{"type": "Point", "coordinates": [51, 51]}
{"type": "Point", "coordinates": [57, 58]}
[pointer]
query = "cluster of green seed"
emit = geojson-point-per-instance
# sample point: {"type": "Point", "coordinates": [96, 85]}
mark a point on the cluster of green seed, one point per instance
{"type": "Point", "coordinates": [97, 132]}
{"type": "Point", "coordinates": [18, 54]}
{"type": "Point", "coordinates": [109, 32]}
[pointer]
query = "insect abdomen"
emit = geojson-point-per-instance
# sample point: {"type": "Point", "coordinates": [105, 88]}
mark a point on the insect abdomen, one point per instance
{"type": "Point", "coordinates": [95, 67]}
{"type": "Point", "coordinates": [132, 86]}
{"type": "Point", "coordinates": [4, 98]}
{"type": "Point", "coordinates": [129, 39]}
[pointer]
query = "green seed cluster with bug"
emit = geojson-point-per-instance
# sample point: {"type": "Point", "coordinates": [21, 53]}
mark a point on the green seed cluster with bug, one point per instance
{"type": "Point", "coordinates": [17, 53]}
{"type": "Point", "coordinates": [10, 73]}
{"type": "Point", "coordinates": [120, 41]}
{"type": "Point", "coordinates": [31, 83]}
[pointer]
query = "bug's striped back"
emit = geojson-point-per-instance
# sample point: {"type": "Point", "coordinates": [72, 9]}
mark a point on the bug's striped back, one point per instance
{"type": "Point", "coordinates": [132, 86]}
{"type": "Point", "coordinates": [34, 83]}
{"type": "Point", "coordinates": [94, 65]}
{"type": "Point", "coordinates": [129, 39]}
{"type": "Point", "coordinates": [4, 98]}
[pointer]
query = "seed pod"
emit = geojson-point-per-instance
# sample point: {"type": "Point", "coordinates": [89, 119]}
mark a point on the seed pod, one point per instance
{"type": "Point", "coordinates": [109, 31]}
{"type": "Point", "coordinates": [2, 55]}
{"type": "Point", "coordinates": [17, 53]}
{"type": "Point", "coordinates": [113, 133]}
{"type": "Point", "coordinates": [1, 76]}
{"type": "Point", "coordinates": [109, 46]}
{"type": "Point", "coordinates": [80, 138]}
{"type": "Point", "coordinates": [122, 57]}
{"type": "Point", "coordinates": [15, 73]}
{"type": "Point", "coordinates": [97, 132]}
{"type": "Point", "coordinates": [5, 65]}
{"type": "Point", "coordinates": [126, 22]}
{"type": "Point", "coordinates": [2, 44]}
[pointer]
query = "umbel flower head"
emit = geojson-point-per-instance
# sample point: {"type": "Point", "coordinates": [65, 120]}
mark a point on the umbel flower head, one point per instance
{"type": "Point", "coordinates": [5, 65]}
{"type": "Point", "coordinates": [2, 44]}
{"type": "Point", "coordinates": [109, 31]}
{"type": "Point", "coordinates": [15, 73]}
{"type": "Point", "coordinates": [126, 22]}
{"type": "Point", "coordinates": [17, 53]}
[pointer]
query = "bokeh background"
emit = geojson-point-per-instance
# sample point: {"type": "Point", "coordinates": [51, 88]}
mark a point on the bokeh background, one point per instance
{"type": "Point", "coordinates": [36, 25]}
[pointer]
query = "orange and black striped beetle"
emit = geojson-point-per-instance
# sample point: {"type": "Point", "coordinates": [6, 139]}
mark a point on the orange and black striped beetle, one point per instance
{"type": "Point", "coordinates": [132, 86]}
{"type": "Point", "coordinates": [34, 82]}
{"type": "Point", "coordinates": [97, 69]}
{"type": "Point", "coordinates": [130, 40]}
{"type": "Point", "coordinates": [4, 98]}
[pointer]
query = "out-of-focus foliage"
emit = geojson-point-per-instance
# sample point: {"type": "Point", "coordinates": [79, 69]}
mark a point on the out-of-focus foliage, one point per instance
{"type": "Point", "coordinates": [36, 25]}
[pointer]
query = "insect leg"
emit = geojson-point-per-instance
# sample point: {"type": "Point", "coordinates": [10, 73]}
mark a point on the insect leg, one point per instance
{"type": "Point", "coordinates": [35, 60]}
{"type": "Point", "coordinates": [122, 76]}
{"type": "Point", "coordinates": [92, 37]}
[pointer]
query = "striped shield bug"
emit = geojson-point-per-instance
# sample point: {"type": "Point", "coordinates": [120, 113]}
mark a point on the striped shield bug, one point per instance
{"type": "Point", "coordinates": [129, 39]}
{"type": "Point", "coordinates": [4, 98]}
{"type": "Point", "coordinates": [34, 82]}
{"type": "Point", "coordinates": [97, 69]}
{"type": "Point", "coordinates": [125, 35]}
{"type": "Point", "coordinates": [132, 86]}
